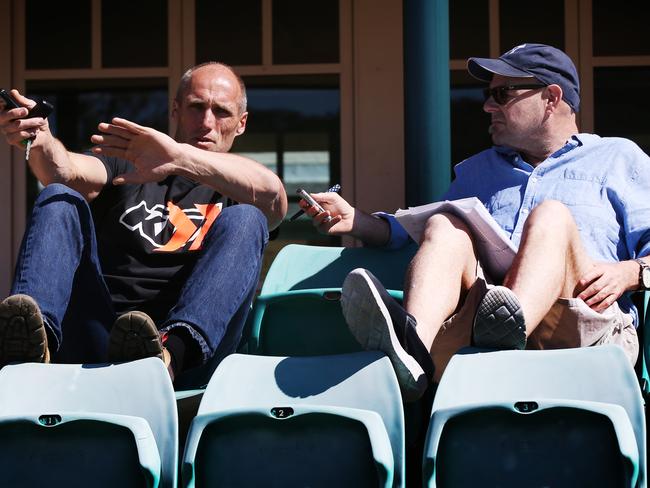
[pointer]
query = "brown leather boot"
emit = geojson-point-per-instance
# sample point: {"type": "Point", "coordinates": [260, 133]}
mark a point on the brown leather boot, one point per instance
{"type": "Point", "coordinates": [22, 331]}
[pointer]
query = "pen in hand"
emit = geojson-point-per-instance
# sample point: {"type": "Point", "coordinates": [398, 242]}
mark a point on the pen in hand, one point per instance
{"type": "Point", "coordinates": [336, 188]}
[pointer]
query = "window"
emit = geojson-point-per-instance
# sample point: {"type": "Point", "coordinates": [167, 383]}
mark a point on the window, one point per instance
{"type": "Point", "coordinates": [469, 123]}
{"type": "Point", "coordinates": [293, 129]}
{"type": "Point", "coordinates": [229, 32]}
{"type": "Point", "coordinates": [622, 116]}
{"type": "Point", "coordinates": [305, 32]}
{"type": "Point", "coordinates": [621, 29]}
{"type": "Point", "coordinates": [51, 46]}
{"type": "Point", "coordinates": [80, 106]}
{"type": "Point", "coordinates": [134, 34]}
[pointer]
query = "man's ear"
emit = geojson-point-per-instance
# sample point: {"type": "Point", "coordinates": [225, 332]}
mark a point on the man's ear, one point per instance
{"type": "Point", "coordinates": [241, 126]}
{"type": "Point", "coordinates": [554, 95]}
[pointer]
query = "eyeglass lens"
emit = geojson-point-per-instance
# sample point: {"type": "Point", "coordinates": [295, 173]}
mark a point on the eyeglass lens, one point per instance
{"type": "Point", "coordinates": [500, 93]}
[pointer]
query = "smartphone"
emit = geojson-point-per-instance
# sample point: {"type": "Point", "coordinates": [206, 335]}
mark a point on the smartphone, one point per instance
{"type": "Point", "coordinates": [308, 198]}
{"type": "Point", "coordinates": [42, 108]}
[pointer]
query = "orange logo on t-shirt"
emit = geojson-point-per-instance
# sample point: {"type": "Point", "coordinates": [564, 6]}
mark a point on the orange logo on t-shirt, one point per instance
{"type": "Point", "coordinates": [149, 223]}
{"type": "Point", "coordinates": [185, 230]}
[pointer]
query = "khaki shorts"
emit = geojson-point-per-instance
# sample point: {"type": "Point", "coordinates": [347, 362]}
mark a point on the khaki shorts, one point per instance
{"type": "Point", "coordinates": [569, 323]}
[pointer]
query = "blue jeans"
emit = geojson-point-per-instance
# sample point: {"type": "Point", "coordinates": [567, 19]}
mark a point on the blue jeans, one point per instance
{"type": "Point", "coordinates": [58, 266]}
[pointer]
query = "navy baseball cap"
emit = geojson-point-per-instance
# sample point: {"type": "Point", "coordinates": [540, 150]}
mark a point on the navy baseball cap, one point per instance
{"type": "Point", "coordinates": [547, 64]}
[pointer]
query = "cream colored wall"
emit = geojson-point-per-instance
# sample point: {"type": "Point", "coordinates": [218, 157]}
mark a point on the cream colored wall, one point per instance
{"type": "Point", "coordinates": [372, 142]}
{"type": "Point", "coordinates": [377, 171]}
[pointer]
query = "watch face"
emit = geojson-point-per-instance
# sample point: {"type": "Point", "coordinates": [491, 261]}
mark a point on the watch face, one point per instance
{"type": "Point", "coordinates": [645, 278]}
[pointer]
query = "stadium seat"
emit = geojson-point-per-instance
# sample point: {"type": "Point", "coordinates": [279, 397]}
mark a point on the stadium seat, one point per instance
{"type": "Point", "coordinates": [68, 425]}
{"type": "Point", "coordinates": [298, 421]}
{"type": "Point", "coordinates": [298, 311]}
{"type": "Point", "coordinates": [300, 267]}
{"type": "Point", "coordinates": [569, 417]}
{"type": "Point", "coordinates": [644, 351]}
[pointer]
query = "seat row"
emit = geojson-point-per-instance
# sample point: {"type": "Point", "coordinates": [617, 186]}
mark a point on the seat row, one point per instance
{"type": "Point", "coordinates": [304, 406]}
{"type": "Point", "coordinates": [507, 418]}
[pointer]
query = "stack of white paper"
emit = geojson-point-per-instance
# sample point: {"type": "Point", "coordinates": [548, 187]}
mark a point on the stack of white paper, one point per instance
{"type": "Point", "coordinates": [495, 250]}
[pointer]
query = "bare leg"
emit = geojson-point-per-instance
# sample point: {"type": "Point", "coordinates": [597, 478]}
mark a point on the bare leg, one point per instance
{"type": "Point", "coordinates": [443, 269]}
{"type": "Point", "coordinates": [550, 261]}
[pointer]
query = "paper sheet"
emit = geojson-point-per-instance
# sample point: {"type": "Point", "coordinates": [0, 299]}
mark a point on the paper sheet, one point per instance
{"type": "Point", "coordinates": [496, 251]}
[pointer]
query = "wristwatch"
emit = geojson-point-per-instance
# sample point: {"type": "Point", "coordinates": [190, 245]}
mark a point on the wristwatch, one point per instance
{"type": "Point", "coordinates": [644, 275]}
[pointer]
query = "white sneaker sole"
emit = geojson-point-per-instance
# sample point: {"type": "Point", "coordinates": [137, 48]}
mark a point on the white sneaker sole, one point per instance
{"type": "Point", "coordinates": [370, 323]}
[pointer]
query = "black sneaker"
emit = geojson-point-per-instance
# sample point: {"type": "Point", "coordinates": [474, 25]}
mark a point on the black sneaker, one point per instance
{"type": "Point", "coordinates": [134, 336]}
{"type": "Point", "coordinates": [22, 331]}
{"type": "Point", "coordinates": [379, 322]}
{"type": "Point", "coordinates": [499, 321]}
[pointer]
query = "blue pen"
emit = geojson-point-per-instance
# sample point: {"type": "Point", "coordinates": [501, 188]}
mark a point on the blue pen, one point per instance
{"type": "Point", "coordinates": [336, 188]}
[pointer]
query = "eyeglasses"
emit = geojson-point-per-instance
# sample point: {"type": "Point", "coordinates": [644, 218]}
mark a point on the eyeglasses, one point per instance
{"type": "Point", "coordinates": [500, 93]}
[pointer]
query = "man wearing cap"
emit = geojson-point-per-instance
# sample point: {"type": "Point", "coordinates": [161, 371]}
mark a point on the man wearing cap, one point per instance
{"type": "Point", "coordinates": [575, 204]}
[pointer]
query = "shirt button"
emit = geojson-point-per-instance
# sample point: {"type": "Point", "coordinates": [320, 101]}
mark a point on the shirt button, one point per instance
{"type": "Point", "coordinates": [533, 180]}
{"type": "Point", "coordinates": [524, 210]}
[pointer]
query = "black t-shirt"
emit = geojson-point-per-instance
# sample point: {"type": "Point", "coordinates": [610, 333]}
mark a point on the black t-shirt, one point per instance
{"type": "Point", "coordinates": [149, 236]}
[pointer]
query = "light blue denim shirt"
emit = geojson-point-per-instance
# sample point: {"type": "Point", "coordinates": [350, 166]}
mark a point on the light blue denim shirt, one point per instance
{"type": "Point", "coordinates": [604, 181]}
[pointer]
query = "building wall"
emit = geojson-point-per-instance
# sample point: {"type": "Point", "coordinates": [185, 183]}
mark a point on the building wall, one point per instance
{"type": "Point", "coordinates": [369, 73]}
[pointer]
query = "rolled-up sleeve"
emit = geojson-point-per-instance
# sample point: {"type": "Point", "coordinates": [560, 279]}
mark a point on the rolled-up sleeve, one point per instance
{"type": "Point", "coordinates": [398, 235]}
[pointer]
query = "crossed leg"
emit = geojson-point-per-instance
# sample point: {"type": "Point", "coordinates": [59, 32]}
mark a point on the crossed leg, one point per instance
{"type": "Point", "coordinates": [550, 261]}
{"type": "Point", "coordinates": [443, 292]}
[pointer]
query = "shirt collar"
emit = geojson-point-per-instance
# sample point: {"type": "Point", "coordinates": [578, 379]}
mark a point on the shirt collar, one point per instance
{"type": "Point", "coordinates": [513, 156]}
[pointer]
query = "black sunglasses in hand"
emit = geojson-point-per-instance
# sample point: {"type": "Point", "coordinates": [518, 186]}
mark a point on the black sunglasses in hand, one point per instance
{"type": "Point", "coordinates": [500, 93]}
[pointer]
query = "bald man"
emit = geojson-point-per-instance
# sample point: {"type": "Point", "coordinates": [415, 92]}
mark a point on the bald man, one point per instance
{"type": "Point", "coordinates": [147, 246]}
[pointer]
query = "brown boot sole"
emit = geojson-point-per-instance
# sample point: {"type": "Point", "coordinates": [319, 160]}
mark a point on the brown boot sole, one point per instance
{"type": "Point", "coordinates": [22, 332]}
{"type": "Point", "coordinates": [134, 336]}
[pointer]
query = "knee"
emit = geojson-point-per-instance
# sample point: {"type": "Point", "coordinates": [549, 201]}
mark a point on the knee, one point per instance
{"type": "Point", "coordinates": [445, 226]}
{"type": "Point", "coordinates": [242, 220]}
{"type": "Point", "coordinates": [58, 198]}
{"type": "Point", "coordinates": [58, 192]}
{"type": "Point", "coordinates": [550, 214]}
{"type": "Point", "coordinates": [246, 215]}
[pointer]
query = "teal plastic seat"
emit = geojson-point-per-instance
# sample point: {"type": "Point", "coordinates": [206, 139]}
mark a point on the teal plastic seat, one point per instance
{"type": "Point", "coordinates": [569, 417]}
{"type": "Point", "coordinates": [298, 421]}
{"type": "Point", "coordinates": [298, 312]}
{"type": "Point", "coordinates": [645, 347]}
{"type": "Point", "coordinates": [78, 449]}
{"type": "Point", "coordinates": [66, 425]}
{"type": "Point", "coordinates": [300, 267]}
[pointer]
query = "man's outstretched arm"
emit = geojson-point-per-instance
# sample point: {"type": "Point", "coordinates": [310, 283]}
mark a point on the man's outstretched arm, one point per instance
{"type": "Point", "coordinates": [156, 155]}
{"type": "Point", "coordinates": [341, 218]}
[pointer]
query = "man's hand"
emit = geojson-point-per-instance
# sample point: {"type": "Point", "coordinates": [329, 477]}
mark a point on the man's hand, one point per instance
{"type": "Point", "coordinates": [15, 128]}
{"type": "Point", "coordinates": [606, 282]}
{"type": "Point", "coordinates": [340, 211]}
{"type": "Point", "coordinates": [155, 155]}
{"type": "Point", "coordinates": [346, 220]}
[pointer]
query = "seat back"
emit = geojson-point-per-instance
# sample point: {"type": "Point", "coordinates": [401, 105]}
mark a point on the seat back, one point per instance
{"type": "Point", "coordinates": [320, 393]}
{"type": "Point", "coordinates": [140, 389]}
{"type": "Point", "coordinates": [70, 450]}
{"type": "Point", "coordinates": [524, 380]}
{"type": "Point", "coordinates": [290, 446]}
{"type": "Point", "coordinates": [298, 312]}
{"type": "Point", "coordinates": [300, 267]}
{"type": "Point", "coordinates": [559, 443]}
{"type": "Point", "coordinates": [644, 318]}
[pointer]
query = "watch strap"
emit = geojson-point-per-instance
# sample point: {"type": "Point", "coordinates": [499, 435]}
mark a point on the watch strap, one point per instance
{"type": "Point", "coordinates": [642, 266]}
